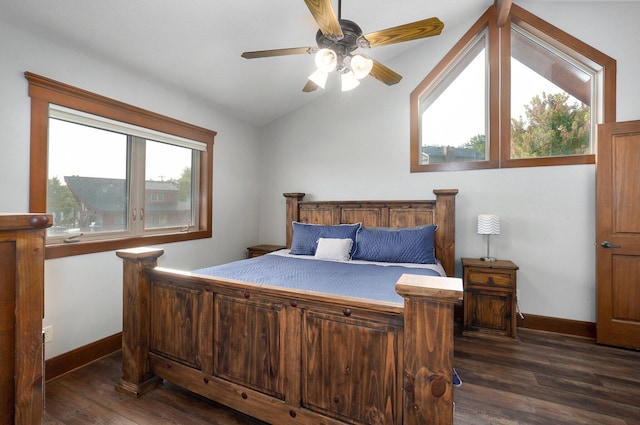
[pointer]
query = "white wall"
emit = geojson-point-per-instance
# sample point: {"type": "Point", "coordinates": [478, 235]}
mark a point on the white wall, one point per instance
{"type": "Point", "coordinates": [83, 294]}
{"type": "Point", "coordinates": [355, 145]}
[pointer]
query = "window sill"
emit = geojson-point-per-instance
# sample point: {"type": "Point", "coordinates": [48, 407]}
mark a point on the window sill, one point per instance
{"type": "Point", "coordinates": [61, 250]}
{"type": "Point", "coordinates": [510, 163]}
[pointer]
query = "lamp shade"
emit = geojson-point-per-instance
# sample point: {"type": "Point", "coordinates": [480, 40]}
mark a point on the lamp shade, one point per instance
{"type": "Point", "coordinates": [319, 77]}
{"type": "Point", "coordinates": [349, 81]}
{"type": "Point", "coordinates": [361, 66]}
{"type": "Point", "coordinates": [488, 224]}
{"type": "Point", "coordinates": [326, 60]}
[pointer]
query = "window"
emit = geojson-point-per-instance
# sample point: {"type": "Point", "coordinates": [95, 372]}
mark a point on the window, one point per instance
{"type": "Point", "coordinates": [464, 85]}
{"type": "Point", "coordinates": [551, 96]}
{"type": "Point", "coordinates": [511, 94]}
{"type": "Point", "coordinates": [115, 176]}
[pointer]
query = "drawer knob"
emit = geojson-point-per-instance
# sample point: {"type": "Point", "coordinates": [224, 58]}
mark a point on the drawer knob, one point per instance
{"type": "Point", "coordinates": [490, 281]}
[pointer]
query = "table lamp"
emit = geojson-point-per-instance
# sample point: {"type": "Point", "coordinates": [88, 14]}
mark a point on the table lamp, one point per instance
{"type": "Point", "coordinates": [488, 224]}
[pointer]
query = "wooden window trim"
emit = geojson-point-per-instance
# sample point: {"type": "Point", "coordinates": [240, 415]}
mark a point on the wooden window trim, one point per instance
{"type": "Point", "coordinates": [498, 23]}
{"type": "Point", "coordinates": [486, 20]}
{"type": "Point", "coordinates": [44, 91]}
{"type": "Point", "coordinates": [563, 41]}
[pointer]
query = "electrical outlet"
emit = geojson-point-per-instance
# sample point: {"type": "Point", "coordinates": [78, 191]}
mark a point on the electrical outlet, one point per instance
{"type": "Point", "coordinates": [48, 333]}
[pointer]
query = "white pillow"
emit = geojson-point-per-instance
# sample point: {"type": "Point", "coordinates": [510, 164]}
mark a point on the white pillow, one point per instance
{"type": "Point", "coordinates": [334, 249]}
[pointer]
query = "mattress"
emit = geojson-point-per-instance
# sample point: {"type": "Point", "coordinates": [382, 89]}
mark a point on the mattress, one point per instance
{"type": "Point", "coordinates": [374, 281]}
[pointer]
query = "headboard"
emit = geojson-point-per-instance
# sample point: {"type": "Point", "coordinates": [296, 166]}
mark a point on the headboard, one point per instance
{"type": "Point", "coordinates": [439, 211]}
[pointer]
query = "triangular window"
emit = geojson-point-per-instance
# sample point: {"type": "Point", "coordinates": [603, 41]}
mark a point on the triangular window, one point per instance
{"type": "Point", "coordinates": [515, 93]}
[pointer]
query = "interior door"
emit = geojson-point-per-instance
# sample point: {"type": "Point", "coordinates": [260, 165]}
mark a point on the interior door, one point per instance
{"type": "Point", "coordinates": [618, 234]}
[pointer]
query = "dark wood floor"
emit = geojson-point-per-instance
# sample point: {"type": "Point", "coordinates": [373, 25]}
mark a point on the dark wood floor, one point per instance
{"type": "Point", "coordinates": [543, 378]}
{"type": "Point", "coordinates": [546, 378]}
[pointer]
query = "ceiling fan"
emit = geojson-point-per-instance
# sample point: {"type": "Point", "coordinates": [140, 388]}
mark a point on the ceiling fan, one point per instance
{"type": "Point", "coordinates": [339, 41]}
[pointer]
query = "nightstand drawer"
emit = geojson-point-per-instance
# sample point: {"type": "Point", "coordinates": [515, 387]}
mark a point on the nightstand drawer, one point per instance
{"type": "Point", "coordinates": [490, 279]}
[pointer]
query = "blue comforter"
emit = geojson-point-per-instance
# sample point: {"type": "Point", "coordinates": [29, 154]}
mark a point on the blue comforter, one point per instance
{"type": "Point", "coordinates": [369, 281]}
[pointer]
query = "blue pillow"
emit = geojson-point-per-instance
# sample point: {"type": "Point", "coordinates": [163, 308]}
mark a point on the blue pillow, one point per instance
{"type": "Point", "coordinates": [396, 245]}
{"type": "Point", "coordinates": [305, 236]}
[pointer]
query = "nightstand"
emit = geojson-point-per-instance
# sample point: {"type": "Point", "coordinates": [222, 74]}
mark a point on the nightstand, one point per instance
{"type": "Point", "coordinates": [489, 297]}
{"type": "Point", "coordinates": [258, 250]}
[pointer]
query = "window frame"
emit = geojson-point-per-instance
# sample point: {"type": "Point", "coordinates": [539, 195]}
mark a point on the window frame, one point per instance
{"type": "Point", "coordinates": [44, 91]}
{"type": "Point", "coordinates": [499, 90]}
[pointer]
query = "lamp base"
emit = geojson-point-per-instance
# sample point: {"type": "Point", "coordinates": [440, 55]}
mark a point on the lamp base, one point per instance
{"type": "Point", "coordinates": [488, 259]}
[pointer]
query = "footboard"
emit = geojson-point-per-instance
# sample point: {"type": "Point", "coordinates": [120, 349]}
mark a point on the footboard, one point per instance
{"type": "Point", "coordinates": [287, 356]}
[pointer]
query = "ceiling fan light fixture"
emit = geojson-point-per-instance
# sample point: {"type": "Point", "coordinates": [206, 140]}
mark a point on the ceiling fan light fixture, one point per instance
{"type": "Point", "coordinates": [326, 60]}
{"type": "Point", "coordinates": [361, 66]}
{"type": "Point", "coordinates": [349, 81]}
{"type": "Point", "coordinates": [337, 39]}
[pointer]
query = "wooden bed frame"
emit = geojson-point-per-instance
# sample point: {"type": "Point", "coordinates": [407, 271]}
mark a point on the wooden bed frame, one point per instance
{"type": "Point", "coordinates": [300, 357]}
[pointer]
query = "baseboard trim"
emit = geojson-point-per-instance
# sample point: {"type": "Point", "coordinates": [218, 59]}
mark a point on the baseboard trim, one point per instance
{"type": "Point", "coordinates": [557, 325]}
{"type": "Point", "coordinates": [81, 356]}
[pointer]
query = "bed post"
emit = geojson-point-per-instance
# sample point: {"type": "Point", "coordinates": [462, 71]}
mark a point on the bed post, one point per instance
{"type": "Point", "coordinates": [136, 379]}
{"type": "Point", "coordinates": [428, 348]}
{"type": "Point", "coordinates": [445, 238]}
{"type": "Point", "coordinates": [292, 212]}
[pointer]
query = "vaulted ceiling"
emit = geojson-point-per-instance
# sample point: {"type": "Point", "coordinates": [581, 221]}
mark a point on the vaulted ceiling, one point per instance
{"type": "Point", "coordinates": [196, 45]}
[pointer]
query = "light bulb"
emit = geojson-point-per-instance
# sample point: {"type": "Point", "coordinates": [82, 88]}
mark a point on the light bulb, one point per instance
{"type": "Point", "coordinates": [319, 78]}
{"type": "Point", "coordinates": [349, 81]}
{"type": "Point", "coordinates": [326, 60]}
{"type": "Point", "coordinates": [361, 66]}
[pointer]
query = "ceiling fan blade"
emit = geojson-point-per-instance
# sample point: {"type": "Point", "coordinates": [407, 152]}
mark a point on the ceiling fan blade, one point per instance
{"type": "Point", "coordinates": [413, 31]}
{"type": "Point", "coordinates": [279, 52]}
{"type": "Point", "coordinates": [326, 18]}
{"type": "Point", "coordinates": [384, 74]}
{"type": "Point", "coordinates": [310, 86]}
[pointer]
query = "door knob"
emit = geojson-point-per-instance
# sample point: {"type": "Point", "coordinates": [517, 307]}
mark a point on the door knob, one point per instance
{"type": "Point", "coordinates": [607, 244]}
